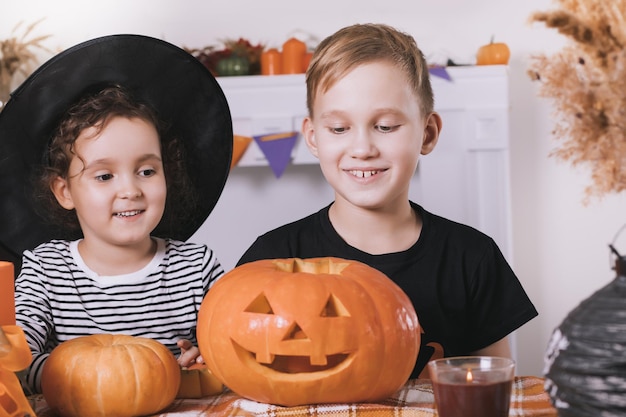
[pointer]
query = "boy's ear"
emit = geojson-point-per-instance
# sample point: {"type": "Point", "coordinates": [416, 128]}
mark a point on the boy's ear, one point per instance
{"type": "Point", "coordinates": [61, 190]}
{"type": "Point", "coordinates": [432, 129]}
{"type": "Point", "coordinates": [308, 132]}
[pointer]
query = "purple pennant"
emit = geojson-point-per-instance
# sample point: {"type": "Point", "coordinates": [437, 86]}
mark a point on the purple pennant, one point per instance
{"type": "Point", "coordinates": [440, 72]}
{"type": "Point", "coordinates": [277, 149]}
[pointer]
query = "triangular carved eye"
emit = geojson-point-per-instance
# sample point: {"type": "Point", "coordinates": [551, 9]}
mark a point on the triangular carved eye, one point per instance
{"type": "Point", "coordinates": [295, 332]}
{"type": "Point", "coordinates": [260, 305]}
{"type": "Point", "coordinates": [334, 308]}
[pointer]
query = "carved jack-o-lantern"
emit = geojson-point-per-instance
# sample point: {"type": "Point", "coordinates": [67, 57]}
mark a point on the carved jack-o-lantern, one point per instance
{"type": "Point", "coordinates": [14, 356]}
{"type": "Point", "coordinates": [306, 331]}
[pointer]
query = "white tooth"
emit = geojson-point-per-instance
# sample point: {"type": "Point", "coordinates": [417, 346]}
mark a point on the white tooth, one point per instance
{"type": "Point", "coordinates": [128, 213]}
{"type": "Point", "coordinates": [363, 174]}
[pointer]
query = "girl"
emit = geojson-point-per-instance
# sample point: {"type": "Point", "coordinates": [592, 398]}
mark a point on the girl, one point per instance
{"type": "Point", "coordinates": [114, 168]}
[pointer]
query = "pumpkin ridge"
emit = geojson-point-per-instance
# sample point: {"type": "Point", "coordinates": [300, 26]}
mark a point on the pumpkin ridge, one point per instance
{"type": "Point", "coordinates": [158, 351]}
{"type": "Point", "coordinates": [394, 295]}
{"type": "Point", "coordinates": [98, 348]}
{"type": "Point", "coordinates": [73, 404]}
{"type": "Point", "coordinates": [133, 364]}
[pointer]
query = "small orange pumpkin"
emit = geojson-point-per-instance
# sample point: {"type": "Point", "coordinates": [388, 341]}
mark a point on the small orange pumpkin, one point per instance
{"type": "Point", "coordinates": [494, 53]}
{"type": "Point", "coordinates": [110, 375]}
{"type": "Point", "coordinates": [307, 331]}
{"type": "Point", "coordinates": [198, 382]}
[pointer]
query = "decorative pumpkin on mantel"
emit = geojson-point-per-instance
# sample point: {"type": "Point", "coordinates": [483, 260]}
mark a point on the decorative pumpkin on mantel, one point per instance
{"type": "Point", "coordinates": [110, 375]}
{"type": "Point", "coordinates": [494, 53]}
{"type": "Point", "coordinates": [308, 331]}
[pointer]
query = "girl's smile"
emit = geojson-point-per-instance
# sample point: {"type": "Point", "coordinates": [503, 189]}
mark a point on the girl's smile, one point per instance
{"type": "Point", "coordinates": [116, 184]}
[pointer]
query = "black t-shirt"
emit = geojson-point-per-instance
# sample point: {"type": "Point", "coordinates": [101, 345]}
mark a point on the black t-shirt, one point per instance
{"type": "Point", "coordinates": [464, 292]}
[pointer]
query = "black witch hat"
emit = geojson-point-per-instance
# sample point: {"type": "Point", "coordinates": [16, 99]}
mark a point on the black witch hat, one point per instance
{"type": "Point", "coordinates": [183, 92]}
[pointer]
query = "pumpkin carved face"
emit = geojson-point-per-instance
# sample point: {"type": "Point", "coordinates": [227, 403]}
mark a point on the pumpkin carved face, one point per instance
{"type": "Point", "coordinates": [293, 331]}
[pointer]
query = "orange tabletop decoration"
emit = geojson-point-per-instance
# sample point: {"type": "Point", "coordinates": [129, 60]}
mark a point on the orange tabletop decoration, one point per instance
{"type": "Point", "coordinates": [14, 356]}
{"type": "Point", "coordinates": [7, 294]}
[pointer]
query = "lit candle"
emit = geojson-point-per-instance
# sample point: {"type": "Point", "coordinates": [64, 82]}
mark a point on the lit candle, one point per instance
{"type": "Point", "coordinates": [472, 386]}
{"type": "Point", "coordinates": [7, 294]}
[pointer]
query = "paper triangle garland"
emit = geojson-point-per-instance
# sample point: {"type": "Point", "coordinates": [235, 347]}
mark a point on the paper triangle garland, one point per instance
{"type": "Point", "coordinates": [277, 149]}
{"type": "Point", "coordinates": [240, 144]}
{"type": "Point", "coordinates": [440, 72]}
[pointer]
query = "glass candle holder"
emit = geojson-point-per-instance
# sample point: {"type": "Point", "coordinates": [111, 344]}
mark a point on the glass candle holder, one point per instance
{"type": "Point", "coordinates": [472, 386]}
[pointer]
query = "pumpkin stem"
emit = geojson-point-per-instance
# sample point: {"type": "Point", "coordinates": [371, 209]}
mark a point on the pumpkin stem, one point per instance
{"type": "Point", "coordinates": [492, 38]}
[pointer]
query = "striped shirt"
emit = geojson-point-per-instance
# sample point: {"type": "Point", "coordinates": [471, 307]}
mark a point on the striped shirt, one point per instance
{"type": "Point", "coordinates": [57, 297]}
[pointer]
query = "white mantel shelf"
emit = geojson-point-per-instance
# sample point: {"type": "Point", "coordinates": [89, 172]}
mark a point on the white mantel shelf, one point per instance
{"type": "Point", "coordinates": [274, 104]}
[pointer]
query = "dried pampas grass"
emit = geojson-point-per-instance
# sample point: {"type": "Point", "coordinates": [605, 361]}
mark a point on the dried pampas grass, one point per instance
{"type": "Point", "coordinates": [17, 56]}
{"type": "Point", "coordinates": [586, 81]}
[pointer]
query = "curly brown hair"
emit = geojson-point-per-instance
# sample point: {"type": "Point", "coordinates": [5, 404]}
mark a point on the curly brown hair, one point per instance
{"type": "Point", "coordinates": [97, 110]}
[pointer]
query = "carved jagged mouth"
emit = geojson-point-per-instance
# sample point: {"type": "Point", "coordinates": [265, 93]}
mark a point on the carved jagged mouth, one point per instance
{"type": "Point", "coordinates": [293, 364]}
{"type": "Point", "coordinates": [297, 364]}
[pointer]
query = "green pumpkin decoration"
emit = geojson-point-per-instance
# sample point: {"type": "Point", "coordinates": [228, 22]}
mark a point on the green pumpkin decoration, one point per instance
{"type": "Point", "coordinates": [233, 65]}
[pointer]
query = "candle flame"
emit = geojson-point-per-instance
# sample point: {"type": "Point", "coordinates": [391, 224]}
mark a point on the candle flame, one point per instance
{"type": "Point", "coordinates": [469, 377]}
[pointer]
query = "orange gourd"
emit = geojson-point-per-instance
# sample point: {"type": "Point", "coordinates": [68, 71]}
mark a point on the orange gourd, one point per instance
{"type": "Point", "coordinates": [7, 294]}
{"type": "Point", "coordinates": [307, 331]}
{"type": "Point", "coordinates": [494, 53]}
{"type": "Point", "coordinates": [110, 375]}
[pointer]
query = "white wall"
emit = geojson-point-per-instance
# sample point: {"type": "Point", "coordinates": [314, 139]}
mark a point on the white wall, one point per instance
{"type": "Point", "coordinates": [560, 246]}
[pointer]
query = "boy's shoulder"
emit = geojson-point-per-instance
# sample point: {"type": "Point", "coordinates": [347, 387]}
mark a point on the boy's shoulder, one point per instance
{"type": "Point", "coordinates": [443, 226]}
{"type": "Point", "coordinates": [311, 222]}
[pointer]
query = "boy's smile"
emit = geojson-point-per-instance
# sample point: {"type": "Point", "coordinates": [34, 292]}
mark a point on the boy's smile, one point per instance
{"type": "Point", "coordinates": [363, 174]}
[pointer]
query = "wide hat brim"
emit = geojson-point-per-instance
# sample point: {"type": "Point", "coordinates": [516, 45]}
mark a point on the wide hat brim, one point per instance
{"type": "Point", "coordinates": [182, 91]}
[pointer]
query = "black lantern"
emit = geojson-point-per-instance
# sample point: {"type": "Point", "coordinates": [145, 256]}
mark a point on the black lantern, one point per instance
{"type": "Point", "coordinates": [585, 364]}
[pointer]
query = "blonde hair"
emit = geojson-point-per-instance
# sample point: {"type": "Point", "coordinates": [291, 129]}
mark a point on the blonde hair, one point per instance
{"type": "Point", "coordinates": [361, 44]}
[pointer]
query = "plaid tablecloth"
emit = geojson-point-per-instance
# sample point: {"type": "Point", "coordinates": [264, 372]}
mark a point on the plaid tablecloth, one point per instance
{"type": "Point", "coordinates": [415, 399]}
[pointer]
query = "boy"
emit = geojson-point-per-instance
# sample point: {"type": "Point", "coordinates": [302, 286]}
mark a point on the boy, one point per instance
{"type": "Point", "coordinates": [371, 115]}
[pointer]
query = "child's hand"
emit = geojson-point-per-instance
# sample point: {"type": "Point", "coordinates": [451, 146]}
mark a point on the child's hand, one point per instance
{"type": "Point", "coordinates": [189, 354]}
